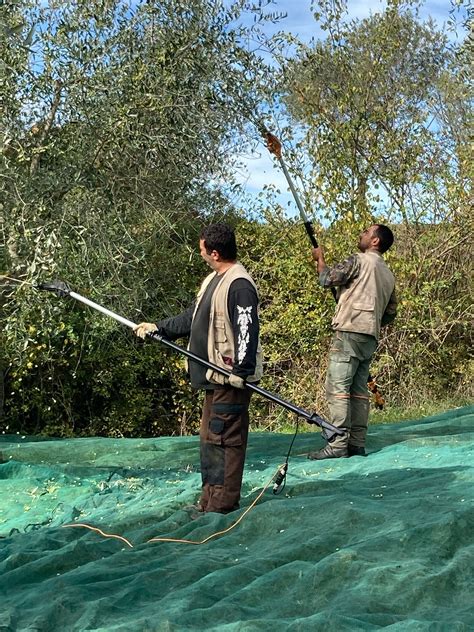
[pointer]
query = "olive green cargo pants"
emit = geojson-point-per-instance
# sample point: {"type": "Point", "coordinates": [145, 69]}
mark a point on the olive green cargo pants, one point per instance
{"type": "Point", "coordinates": [346, 385]}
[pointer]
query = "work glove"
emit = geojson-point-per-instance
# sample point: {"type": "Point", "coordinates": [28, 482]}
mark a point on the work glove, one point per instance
{"type": "Point", "coordinates": [236, 381]}
{"type": "Point", "coordinates": [143, 329]}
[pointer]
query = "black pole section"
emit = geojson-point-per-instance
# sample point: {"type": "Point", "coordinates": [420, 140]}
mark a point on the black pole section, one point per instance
{"type": "Point", "coordinates": [310, 230]}
{"type": "Point", "coordinates": [328, 430]}
{"type": "Point", "coordinates": [312, 418]}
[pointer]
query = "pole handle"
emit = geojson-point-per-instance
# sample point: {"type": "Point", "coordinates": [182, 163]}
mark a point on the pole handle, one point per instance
{"type": "Point", "coordinates": [311, 234]}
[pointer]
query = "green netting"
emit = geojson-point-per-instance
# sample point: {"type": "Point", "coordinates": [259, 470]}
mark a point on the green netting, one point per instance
{"type": "Point", "coordinates": [351, 544]}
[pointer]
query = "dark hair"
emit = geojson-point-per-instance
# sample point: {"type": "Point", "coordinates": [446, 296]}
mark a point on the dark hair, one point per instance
{"type": "Point", "coordinates": [385, 236]}
{"type": "Point", "coordinates": [220, 237]}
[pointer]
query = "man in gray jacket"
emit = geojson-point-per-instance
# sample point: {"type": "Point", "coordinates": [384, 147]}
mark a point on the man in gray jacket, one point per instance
{"type": "Point", "coordinates": [365, 302]}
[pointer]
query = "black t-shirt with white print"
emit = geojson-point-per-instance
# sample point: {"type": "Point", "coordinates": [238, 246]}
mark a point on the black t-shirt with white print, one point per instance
{"type": "Point", "coordinates": [242, 304]}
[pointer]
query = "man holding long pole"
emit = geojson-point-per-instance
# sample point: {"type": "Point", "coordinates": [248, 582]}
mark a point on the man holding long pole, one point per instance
{"type": "Point", "coordinates": [365, 288]}
{"type": "Point", "coordinates": [366, 301]}
{"type": "Point", "coordinates": [223, 327]}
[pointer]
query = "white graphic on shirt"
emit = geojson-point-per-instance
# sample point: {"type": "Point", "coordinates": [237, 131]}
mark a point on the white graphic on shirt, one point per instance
{"type": "Point", "coordinates": [243, 338]}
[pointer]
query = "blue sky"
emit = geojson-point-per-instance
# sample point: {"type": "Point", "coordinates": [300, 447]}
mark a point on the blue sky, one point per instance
{"type": "Point", "coordinates": [300, 19]}
{"type": "Point", "coordinates": [259, 168]}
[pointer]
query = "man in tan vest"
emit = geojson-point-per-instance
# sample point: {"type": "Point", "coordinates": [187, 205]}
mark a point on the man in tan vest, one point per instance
{"type": "Point", "coordinates": [223, 328]}
{"type": "Point", "coordinates": [365, 303]}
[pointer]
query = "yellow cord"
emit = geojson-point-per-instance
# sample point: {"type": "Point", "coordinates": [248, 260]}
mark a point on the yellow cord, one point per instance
{"type": "Point", "coordinates": [4, 276]}
{"type": "Point", "coordinates": [215, 535]}
{"type": "Point", "coordinates": [106, 535]}
{"type": "Point", "coordinates": [177, 540]}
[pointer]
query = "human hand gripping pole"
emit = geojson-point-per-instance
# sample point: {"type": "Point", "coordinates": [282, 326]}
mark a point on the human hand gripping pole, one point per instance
{"type": "Point", "coordinates": [62, 290]}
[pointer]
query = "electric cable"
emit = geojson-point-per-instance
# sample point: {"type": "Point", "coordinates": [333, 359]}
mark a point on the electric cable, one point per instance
{"type": "Point", "coordinates": [180, 540]}
{"type": "Point", "coordinates": [4, 276]}
{"type": "Point", "coordinates": [102, 533]}
{"type": "Point", "coordinates": [280, 479]}
{"type": "Point", "coordinates": [218, 533]}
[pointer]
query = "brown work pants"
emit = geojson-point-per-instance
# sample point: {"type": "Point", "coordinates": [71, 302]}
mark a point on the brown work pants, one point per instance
{"type": "Point", "coordinates": [223, 434]}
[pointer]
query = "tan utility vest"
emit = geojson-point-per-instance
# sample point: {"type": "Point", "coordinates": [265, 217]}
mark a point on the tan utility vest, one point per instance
{"type": "Point", "coordinates": [362, 303]}
{"type": "Point", "coordinates": [220, 339]}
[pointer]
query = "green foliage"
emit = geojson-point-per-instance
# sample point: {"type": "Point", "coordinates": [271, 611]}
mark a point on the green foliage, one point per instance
{"type": "Point", "coordinates": [384, 106]}
{"type": "Point", "coordinates": [428, 351]}
{"type": "Point", "coordinates": [373, 97]}
{"type": "Point", "coordinates": [122, 126]}
{"type": "Point", "coordinates": [423, 358]}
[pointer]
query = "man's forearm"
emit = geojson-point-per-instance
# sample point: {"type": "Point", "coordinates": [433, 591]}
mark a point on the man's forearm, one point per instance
{"type": "Point", "coordinates": [177, 326]}
{"type": "Point", "coordinates": [340, 274]}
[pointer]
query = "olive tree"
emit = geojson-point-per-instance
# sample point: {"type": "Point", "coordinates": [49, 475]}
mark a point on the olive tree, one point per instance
{"type": "Point", "coordinates": [118, 143]}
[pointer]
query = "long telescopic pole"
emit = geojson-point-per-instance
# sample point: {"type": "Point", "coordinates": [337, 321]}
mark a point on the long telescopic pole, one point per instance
{"type": "Point", "coordinates": [274, 147]}
{"type": "Point", "coordinates": [329, 431]}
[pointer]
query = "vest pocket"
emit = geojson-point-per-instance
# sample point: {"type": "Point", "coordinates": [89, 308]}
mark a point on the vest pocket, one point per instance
{"type": "Point", "coordinates": [363, 317]}
{"type": "Point", "coordinates": [364, 306]}
{"type": "Point", "coordinates": [219, 331]}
